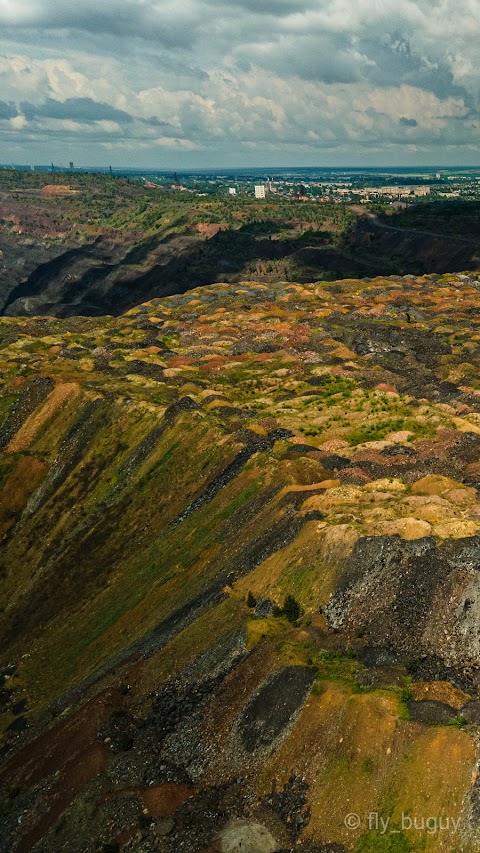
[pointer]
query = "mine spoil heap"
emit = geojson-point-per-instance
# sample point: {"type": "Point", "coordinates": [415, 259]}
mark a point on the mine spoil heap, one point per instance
{"type": "Point", "coordinates": [241, 547]}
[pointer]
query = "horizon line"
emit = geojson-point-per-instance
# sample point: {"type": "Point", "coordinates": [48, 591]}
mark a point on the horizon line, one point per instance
{"type": "Point", "coordinates": [173, 169]}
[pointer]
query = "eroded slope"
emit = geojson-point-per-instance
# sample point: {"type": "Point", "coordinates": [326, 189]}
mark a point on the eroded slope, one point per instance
{"type": "Point", "coordinates": [169, 477]}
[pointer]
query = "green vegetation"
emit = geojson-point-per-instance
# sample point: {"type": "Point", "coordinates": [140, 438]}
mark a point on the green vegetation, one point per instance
{"type": "Point", "coordinates": [458, 722]}
{"type": "Point", "coordinates": [291, 609]}
{"type": "Point", "coordinates": [393, 841]}
{"type": "Point", "coordinates": [242, 498]}
{"type": "Point", "coordinates": [405, 695]}
{"type": "Point", "coordinates": [377, 431]}
{"type": "Point", "coordinates": [368, 765]}
{"type": "Point", "coordinates": [335, 665]}
{"type": "Point", "coordinates": [330, 385]}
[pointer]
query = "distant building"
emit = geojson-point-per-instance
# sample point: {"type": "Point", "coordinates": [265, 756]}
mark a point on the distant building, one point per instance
{"type": "Point", "coordinates": [232, 191]}
{"type": "Point", "coordinates": [396, 192]}
{"type": "Point", "coordinates": [71, 166]}
{"type": "Point", "coordinates": [259, 191]}
{"type": "Point", "coordinates": [421, 191]}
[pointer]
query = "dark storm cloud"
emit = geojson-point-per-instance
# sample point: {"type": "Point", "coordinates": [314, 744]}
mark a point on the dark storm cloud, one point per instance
{"type": "Point", "coordinates": [395, 60]}
{"type": "Point", "coordinates": [386, 43]}
{"type": "Point", "coordinates": [271, 7]}
{"type": "Point", "coordinates": [7, 110]}
{"type": "Point", "coordinates": [155, 122]}
{"type": "Point", "coordinates": [408, 122]}
{"type": "Point", "coordinates": [327, 58]}
{"type": "Point", "coordinates": [174, 23]}
{"type": "Point", "coordinates": [76, 109]}
{"type": "Point", "coordinates": [160, 22]}
{"type": "Point", "coordinates": [168, 64]}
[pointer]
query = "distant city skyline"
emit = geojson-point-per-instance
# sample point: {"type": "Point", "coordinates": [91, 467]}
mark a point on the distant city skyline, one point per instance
{"type": "Point", "coordinates": [255, 170]}
{"type": "Point", "coordinates": [208, 83]}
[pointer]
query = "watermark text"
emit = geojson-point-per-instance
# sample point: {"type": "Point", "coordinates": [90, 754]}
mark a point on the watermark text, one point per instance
{"type": "Point", "coordinates": [375, 822]}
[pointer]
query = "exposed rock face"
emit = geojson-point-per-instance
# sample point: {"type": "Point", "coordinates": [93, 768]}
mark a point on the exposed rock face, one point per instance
{"type": "Point", "coordinates": [416, 597]}
{"type": "Point", "coordinates": [272, 708]}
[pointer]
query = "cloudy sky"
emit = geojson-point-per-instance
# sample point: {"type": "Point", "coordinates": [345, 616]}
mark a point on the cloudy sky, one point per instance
{"type": "Point", "coordinates": [185, 83]}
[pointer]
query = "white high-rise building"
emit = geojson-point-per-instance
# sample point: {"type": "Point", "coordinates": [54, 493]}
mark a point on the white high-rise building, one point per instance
{"type": "Point", "coordinates": [259, 191]}
{"type": "Point", "coordinates": [232, 191]}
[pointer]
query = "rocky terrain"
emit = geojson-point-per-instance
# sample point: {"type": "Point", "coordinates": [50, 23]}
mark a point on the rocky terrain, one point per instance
{"type": "Point", "coordinates": [240, 599]}
{"type": "Point", "coordinates": [100, 245]}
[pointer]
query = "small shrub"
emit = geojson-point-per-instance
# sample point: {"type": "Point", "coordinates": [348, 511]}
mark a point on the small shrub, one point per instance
{"type": "Point", "coordinates": [368, 765]}
{"type": "Point", "coordinates": [291, 608]}
{"type": "Point", "coordinates": [458, 722]}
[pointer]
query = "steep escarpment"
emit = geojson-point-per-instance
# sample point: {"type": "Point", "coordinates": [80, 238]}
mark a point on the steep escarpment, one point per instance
{"type": "Point", "coordinates": [106, 275]}
{"type": "Point", "coordinates": [113, 272]}
{"type": "Point", "coordinates": [240, 555]}
{"type": "Point", "coordinates": [100, 245]}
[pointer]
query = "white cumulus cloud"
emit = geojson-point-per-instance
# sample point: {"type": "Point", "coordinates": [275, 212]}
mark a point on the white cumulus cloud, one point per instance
{"type": "Point", "coordinates": [211, 81]}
